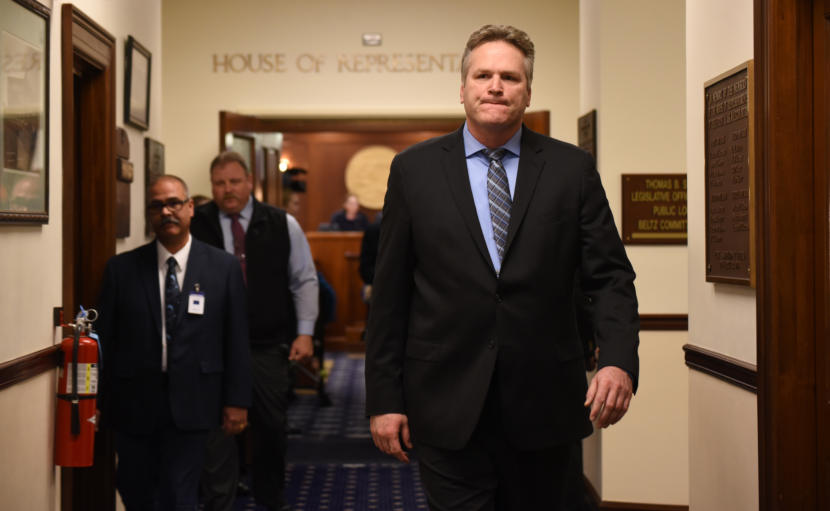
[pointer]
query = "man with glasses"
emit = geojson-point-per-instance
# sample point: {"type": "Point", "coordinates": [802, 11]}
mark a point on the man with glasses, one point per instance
{"type": "Point", "coordinates": [174, 332]}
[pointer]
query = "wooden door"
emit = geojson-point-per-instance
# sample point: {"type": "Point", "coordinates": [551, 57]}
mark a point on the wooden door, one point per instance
{"type": "Point", "coordinates": [88, 74]}
{"type": "Point", "coordinates": [821, 137]}
{"type": "Point", "coordinates": [792, 44]}
{"type": "Point", "coordinates": [272, 184]}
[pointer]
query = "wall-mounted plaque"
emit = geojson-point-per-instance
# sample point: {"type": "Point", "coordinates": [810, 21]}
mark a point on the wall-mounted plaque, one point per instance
{"type": "Point", "coordinates": [730, 171]}
{"type": "Point", "coordinates": [654, 209]}
{"type": "Point", "coordinates": [587, 126]}
{"type": "Point", "coordinates": [153, 169]}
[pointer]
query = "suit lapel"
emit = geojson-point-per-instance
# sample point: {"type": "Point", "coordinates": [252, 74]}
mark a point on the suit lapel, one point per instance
{"type": "Point", "coordinates": [149, 278]}
{"type": "Point", "coordinates": [455, 168]}
{"type": "Point", "coordinates": [530, 167]}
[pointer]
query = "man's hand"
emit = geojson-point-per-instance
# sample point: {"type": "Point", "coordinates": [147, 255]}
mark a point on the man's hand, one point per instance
{"type": "Point", "coordinates": [234, 420]}
{"type": "Point", "coordinates": [302, 348]}
{"type": "Point", "coordinates": [387, 431]}
{"type": "Point", "coordinates": [609, 396]}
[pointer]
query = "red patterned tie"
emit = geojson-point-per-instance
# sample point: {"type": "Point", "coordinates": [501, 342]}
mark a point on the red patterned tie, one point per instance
{"type": "Point", "coordinates": [239, 243]}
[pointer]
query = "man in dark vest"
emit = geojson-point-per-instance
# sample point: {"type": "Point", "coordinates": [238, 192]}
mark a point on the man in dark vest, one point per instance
{"type": "Point", "coordinates": [282, 308]}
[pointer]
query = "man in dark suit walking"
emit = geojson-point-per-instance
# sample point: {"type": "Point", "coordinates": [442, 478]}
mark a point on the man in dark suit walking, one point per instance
{"type": "Point", "coordinates": [473, 350]}
{"type": "Point", "coordinates": [176, 362]}
{"type": "Point", "coordinates": [283, 299]}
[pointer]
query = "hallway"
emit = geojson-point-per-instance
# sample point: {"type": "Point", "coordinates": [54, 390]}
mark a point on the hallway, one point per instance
{"type": "Point", "coordinates": [332, 464]}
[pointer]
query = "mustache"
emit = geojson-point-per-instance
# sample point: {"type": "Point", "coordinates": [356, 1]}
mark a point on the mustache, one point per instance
{"type": "Point", "coordinates": [170, 220]}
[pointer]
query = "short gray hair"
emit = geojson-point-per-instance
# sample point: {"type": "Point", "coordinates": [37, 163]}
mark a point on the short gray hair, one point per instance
{"type": "Point", "coordinates": [170, 177]}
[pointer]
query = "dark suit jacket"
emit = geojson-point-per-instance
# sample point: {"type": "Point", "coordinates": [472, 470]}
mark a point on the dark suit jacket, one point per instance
{"type": "Point", "coordinates": [443, 325]}
{"type": "Point", "coordinates": [208, 361]}
{"type": "Point", "coordinates": [369, 252]}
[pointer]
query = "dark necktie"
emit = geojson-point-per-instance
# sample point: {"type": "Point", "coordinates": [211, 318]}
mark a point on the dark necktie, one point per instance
{"type": "Point", "coordinates": [171, 298]}
{"type": "Point", "coordinates": [239, 242]}
{"type": "Point", "coordinates": [498, 195]}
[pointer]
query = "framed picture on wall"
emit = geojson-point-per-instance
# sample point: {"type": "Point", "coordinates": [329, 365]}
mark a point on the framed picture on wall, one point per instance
{"type": "Point", "coordinates": [137, 66]}
{"type": "Point", "coordinates": [153, 168]}
{"type": "Point", "coordinates": [24, 111]}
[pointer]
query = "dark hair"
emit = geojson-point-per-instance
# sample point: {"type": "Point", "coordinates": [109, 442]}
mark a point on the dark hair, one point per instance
{"type": "Point", "coordinates": [226, 157]}
{"type": "Point", "coordinates": [506, 33]}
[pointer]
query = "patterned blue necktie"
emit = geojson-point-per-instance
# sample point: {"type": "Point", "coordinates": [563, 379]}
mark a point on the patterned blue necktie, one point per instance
{"type": "Point", "coordinates": [498, 195]}
{"type": "Point", "coordinates": [171, 298]}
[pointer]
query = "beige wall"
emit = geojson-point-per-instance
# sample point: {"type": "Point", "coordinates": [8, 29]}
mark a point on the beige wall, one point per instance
{"type": "Point", "coordinates": [30, 263]}
{"type": "Point", "coordinates": [723, 435]}
{"type": "Point", "coordinates": [195, 30]}
{"type": "Point", "coordinates": [722, 418]}
{"type": "Point", "coordinates": [632, 63]}
{"type": "Point", "coordinates": [645, 457]}
{"type": "Point", "coordinates": [28, 479]}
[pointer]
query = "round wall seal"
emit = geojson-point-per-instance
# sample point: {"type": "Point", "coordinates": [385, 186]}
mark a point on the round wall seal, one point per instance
{"type": "Point", "coordinates": [367, 173]}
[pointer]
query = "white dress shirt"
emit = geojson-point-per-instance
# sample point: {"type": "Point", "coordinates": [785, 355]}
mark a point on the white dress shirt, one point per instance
{"type": "Point", "coordinates": [181, 266]}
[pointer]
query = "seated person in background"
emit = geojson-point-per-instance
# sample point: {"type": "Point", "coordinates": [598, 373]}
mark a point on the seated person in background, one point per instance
{"type": "Point", "coordinates": [291, 203]}
{"type": "Point", "coordinates": [349, 218]}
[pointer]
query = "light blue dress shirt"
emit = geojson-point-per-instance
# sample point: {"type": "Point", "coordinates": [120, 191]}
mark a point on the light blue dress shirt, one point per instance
{"type": "Point", "coordinates": [302, 276]}
{"type": "Point", "coordinates": [477, 165]}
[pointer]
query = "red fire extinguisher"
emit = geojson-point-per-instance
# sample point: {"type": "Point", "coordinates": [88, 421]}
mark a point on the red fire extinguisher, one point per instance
{"type": "Point", "coordinates": [77, 389]}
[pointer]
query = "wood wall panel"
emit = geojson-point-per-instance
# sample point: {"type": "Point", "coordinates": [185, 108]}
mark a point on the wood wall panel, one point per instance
{"type": "Point", "coordinates": [336, 255]}
{"type": "Point", "coordinates": [325, 156]}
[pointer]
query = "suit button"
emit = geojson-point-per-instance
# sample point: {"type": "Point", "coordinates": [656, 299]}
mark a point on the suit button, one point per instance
{"type": "Point", "coordinates": [498, 297]}
{"type": "Point", "coordinates": [491, 344]}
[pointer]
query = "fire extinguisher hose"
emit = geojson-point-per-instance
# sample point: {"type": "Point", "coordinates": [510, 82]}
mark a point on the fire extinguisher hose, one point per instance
{"type": "Point", "coordinates": [76, 412]}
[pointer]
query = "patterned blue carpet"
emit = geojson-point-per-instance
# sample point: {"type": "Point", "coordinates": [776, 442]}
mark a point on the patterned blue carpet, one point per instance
{"type": "Point", "coordinates": [332, 464]}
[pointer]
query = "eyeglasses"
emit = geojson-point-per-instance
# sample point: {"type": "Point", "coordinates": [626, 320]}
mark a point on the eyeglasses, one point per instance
{"type": "Point", "coordinates": [173, 205]}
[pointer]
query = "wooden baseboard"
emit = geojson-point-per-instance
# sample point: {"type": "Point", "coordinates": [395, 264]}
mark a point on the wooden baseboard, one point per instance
{"type": "Point", "coordinates": [664, 322]}
{"type": "Point", "coordinates": [28, 366]}
{"type": "Point", "coordinates": [626, 506]}
{"type": "Point", "coordinates": [629, 506]}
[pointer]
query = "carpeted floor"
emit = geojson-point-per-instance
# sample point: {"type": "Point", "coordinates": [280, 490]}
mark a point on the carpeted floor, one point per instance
{"type": "Point", "coordinates": [332, 464]}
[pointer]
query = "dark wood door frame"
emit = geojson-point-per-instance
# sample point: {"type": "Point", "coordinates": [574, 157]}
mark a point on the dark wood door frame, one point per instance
{"type": "Point", "coordinates": [88, 129]}
{"type": "Point", "coordinates": [791, 44]}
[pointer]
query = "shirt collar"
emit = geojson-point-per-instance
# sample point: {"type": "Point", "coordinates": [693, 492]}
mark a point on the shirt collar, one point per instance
{"type": "Point", "coordinates": [246, 212]}
{"type": "Point", "coordinates": [472, 145]}
{"type": "Point", "coordinates": [180, 256]}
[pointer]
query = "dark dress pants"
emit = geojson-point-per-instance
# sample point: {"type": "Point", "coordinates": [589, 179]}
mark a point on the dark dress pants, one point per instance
{"type": "Point", "coordinates": [160, 470]}
{"type": "Point", "coordinates": [489, 474]}
{"type": "Point", "coordinates": [267, 418]}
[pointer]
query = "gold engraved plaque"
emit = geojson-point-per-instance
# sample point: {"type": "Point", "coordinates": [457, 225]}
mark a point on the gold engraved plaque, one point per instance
{"type": "Point", "coordinates": [367, 173]}
{"type": "Point", "coordinates": [730, 218]}
{"type": "Point", "coordinates": [654, 209]}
